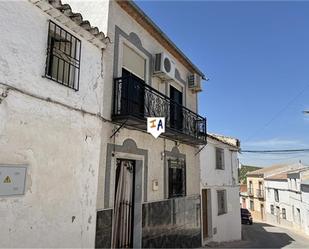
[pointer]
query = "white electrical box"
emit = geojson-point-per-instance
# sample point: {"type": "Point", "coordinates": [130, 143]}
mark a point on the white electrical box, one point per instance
{"type": "Point", "coordinates": [12, 180]}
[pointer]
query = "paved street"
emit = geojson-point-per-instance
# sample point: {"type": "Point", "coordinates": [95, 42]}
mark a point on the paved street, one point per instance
{"type": "Point", "coordinates": [262, 235]}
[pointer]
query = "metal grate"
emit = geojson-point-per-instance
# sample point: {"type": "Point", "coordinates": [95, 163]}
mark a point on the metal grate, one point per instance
{"type": "Point", "coordinates": [63, 57]}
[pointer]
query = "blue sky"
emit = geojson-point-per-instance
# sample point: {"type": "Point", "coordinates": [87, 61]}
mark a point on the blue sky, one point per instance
{"type": "Point", "coordinates": [256, 55]}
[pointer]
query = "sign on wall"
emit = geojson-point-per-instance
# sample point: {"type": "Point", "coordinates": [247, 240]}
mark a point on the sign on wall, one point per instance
{"type": "Point", "coordinates": [156, 126]}
{"type": "Point", "coordinates": [12, 180]}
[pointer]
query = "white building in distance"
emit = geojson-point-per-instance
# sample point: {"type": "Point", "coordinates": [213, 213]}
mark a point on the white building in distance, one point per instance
{"type": "Point", "coordinates": [286, 198]}
{"type": "Point", "coordinates": [220, 189]}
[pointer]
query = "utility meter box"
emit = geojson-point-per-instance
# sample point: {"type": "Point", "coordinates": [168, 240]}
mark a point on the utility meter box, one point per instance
{"type": "Point", "coordinates": [12, 180]}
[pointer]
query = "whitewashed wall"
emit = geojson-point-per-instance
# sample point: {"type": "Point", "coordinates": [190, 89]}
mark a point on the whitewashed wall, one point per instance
{"type": "Point", "coordinates": [305, 211]}
{"type": "Point", "coordinates": [284, 202]}
{"type": "Point", "coordinates": [60, 146]}
{"type": "Point", "coordinates": [227, 179]}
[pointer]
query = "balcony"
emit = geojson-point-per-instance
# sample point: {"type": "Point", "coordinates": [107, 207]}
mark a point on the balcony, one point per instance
{"type": "Point", "coordinates": [250, 191]}
{"type": "Point", "coordinates": [134, 101]}
{"type": "Point", "coordinates": [260, 193]}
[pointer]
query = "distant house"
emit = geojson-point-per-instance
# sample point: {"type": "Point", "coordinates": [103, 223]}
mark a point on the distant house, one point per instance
{"type": "Point", "coordinates": [284, 197]}
{"type": "Point", "coordinates": [305, 204]}
{"type": "Point", "coordinates": [243, 170]}
{"type": "Point", "coordinates": [256, 191]}
{"type": "Point", "coordinates": [220, 189]}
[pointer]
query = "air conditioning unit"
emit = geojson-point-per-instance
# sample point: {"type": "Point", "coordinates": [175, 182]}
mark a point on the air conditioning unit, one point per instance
{"type": "Point", "coordinates": [164, 67]}
{"type": "Point", "coordinates": [194, 82]}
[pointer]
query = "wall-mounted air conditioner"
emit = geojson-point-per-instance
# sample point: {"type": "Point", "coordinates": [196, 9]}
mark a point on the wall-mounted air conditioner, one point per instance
{"type": "Point", "coordinates": [164, 67]}
{"type": "Point", "coordinates": [194, 82]}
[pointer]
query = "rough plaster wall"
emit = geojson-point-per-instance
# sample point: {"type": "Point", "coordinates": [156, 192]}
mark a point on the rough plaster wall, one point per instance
{"type": "Point", "coordinates": [61, 150]}
{"type": "Point", "coordinates": [95, 11]}
{"type": "Point", "coordinates": [210, 176]}
{"type": "Point", "coordinates": [232, 217]}
{"type": "Point", "coordinates": [60, 146]}
{"type": "Point", "coordinates": [22, 61]}
{"type": "Point", "coordinates": [218, 180]}
{"type": "Point", "coordinates": [305, 211]}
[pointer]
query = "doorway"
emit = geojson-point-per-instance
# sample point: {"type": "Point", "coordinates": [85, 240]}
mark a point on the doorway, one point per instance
{"type": "Point", "coordinates": [205, 213]}
{"type": "Point", "coordinates": [278, 214]}
{"type": "Point", "coordinates": [262, 211]}
{"type": "Point", "coordinates": [176, 114]}
{"type": "Point", "coordinates": [132, 94]}
{"type": "Point", "coordinates": [123, 222]}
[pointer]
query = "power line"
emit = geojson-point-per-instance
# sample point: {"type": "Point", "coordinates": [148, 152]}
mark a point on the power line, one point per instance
{"type": "Point", "coordinates": [291, 151]}
{"type": "Point", "coordinates": [276, 115]}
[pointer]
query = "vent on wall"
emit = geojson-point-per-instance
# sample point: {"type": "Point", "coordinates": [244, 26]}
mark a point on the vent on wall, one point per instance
{"type": "Point", "coordinates": [164, 67]}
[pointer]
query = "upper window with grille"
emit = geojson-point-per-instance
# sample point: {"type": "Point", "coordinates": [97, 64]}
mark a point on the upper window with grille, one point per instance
{"type": "Point", "coordinates": [219, 158]}
{"type": "Point", "coordinates": [222, 202]}
{"type": "Point", "coordinates": [176, 178]}
{"type": "Point", "coordinates": [63, 57]}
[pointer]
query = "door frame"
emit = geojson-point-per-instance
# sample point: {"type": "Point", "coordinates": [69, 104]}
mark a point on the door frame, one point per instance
{"type": "Point", "coordinates": [138, 193]}
{"type": "Point", "coordinates": [133, 193]}
{"type": "Point", "coordinates": [209, 215]}
{"type": "Point", "coordinates": [262, 209]}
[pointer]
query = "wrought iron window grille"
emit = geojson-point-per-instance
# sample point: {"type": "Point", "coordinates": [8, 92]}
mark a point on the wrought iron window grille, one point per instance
{"type": "Point", "coordinates": [176, 178]}
{"type": "Point", "coordinates": [63, 57]}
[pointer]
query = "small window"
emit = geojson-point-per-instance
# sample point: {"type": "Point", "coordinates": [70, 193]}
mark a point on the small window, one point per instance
{"type": "Point", "coordinates": [176, 178]}
{"type": "Point", "coordinates": [222, 202]}
{"type": "Point", "coordinates": [272, 209]}
{"type": "Point", "coordinates": [219, 158]}
{"type": "Point", "coordinates": [252, 205]}
{"type": "Point", "coordinates": [276, 192]}
{"type": "Point", "coordinates": [283, 213]}
{"type": "Point", "coordinates": [63, 57]}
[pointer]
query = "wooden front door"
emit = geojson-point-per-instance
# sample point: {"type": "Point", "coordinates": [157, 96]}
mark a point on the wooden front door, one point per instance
{"type": "Point", "coordinates": [205, 214]}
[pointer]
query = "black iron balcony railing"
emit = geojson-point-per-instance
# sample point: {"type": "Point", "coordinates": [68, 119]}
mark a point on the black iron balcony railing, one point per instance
{"type": "Point", "coordinates": [134, 101]}
{"type": "Point", "coordinates": [260, 193]}
{"type": "Point", "coordinates": [250, 191]}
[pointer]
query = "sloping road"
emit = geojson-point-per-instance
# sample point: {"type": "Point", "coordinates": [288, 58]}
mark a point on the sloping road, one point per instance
{"type": "Point", "coordinates": [262, 235]}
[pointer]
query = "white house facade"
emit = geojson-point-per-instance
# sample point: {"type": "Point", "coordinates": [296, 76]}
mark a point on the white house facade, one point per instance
{"type": "Point", "coordinates": [50, 98]}
{"type": "Point", "coordinates": [286, 198]}
{"type": "Point", "coordinates": [277, 202]}
{"type": "Point", "coordinates": [220, 190]}
{"type": "Point", "coordinates": [94, 176]}
{"type": "Point", "coordinates": [305, 204]}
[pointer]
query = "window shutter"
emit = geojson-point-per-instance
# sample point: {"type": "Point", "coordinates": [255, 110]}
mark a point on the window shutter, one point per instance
{"type": "Point", "coordinates": [133, 62]}
{"type": "Point", "coordinates": [222, 158]}
{"type": "Point", "coordinates": [219, 158]}
{"type": "Point", "coordinates": [218, 164]}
